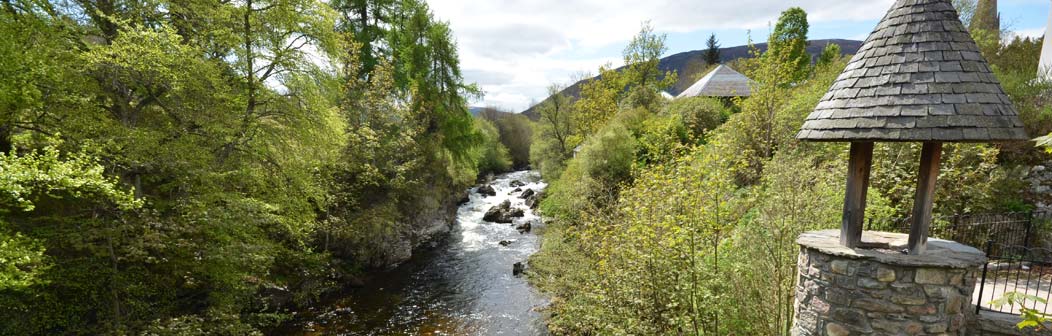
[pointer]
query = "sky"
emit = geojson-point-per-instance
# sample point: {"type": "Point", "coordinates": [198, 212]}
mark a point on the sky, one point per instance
{"type": "Point", "coordinates": [515, 49]}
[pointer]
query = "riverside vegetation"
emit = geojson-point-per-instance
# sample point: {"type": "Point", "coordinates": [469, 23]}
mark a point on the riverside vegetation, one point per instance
{"type": "Point", "coordinates": [177, 167]}
{"type": "Point", "coordinates": [681, 217]}
{"type": "Point", "coordinates": [203, 167]}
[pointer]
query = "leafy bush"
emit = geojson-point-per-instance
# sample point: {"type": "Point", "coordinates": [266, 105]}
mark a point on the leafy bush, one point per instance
{"type": "Point", "coordinates": [609, 156]}
{"type": "Point", "coordinates": [700, 115]}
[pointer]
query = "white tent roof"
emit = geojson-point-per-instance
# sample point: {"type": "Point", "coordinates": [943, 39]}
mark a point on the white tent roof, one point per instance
{"type": "Point", "coordinates": [721, 82]}
{"type": "Point", "coordinates": [1044, 69]}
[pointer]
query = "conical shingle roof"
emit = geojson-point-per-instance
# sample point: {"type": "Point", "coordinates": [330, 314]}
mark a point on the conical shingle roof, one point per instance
{"type": "Point", "coordinates": [918, 77]}
{"type": "Point", "coordinates": [720, 82]}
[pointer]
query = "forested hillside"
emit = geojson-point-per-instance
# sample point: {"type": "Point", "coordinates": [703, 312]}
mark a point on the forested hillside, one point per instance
{"type": "Point", "coordinates": [680, 218]}
{"type": "Point", "coordinates": [692, 65]}
{"type": "Point", "coordinates": [199, 167]}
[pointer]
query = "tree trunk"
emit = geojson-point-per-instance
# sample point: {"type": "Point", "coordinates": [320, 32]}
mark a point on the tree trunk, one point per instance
{"type": "Point", "coordinates": [5, 139]}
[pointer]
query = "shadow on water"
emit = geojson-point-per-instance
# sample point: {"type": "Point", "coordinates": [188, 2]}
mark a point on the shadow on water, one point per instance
{"type": "Point", "coordinates": [462, 286]}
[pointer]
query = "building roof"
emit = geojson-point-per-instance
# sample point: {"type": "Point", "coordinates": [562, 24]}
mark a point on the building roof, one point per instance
{"type": "Point", "coordinates": [720, 82]}
{"type": "Point", "coordinates": [918, 77]}
{"type": "Point", "coordinates": [1044, 68]}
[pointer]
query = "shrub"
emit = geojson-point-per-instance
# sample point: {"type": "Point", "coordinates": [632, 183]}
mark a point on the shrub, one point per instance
{"type": "Point", "coordinates": [699, 115]}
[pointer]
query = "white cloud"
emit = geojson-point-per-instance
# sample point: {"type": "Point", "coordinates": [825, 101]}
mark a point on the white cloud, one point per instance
{"type": "Point", "coordinates": [1031, 33]}
{"type": "Point", "coordinates": [515, 48]}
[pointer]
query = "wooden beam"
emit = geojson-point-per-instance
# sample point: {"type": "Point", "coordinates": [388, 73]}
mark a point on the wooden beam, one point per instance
{"type": "Point", "coordinates": [855, 199]}
{"type": "Point", "coordinates": [922, 204]}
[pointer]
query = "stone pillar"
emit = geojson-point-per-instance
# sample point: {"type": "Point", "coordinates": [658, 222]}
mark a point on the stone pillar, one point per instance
{"type": "Point", "coordinates": [882, 291]}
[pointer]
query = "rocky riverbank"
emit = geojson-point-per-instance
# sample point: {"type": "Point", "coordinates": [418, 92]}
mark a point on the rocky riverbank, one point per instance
{"type": "Point", "coordinates": [469, 283]}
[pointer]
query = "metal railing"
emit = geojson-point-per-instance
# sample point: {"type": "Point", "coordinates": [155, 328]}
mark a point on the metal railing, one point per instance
{"type": "Point", "coordinates": [1008, 239]}
{"type": "Point", "coordinates": [1004, 229]}
{"type": "Point", "coordinates": [1018, 269]}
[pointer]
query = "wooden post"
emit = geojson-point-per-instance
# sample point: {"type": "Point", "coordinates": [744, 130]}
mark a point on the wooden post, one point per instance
{"type": "Point", "coordinates": [855, 200]}
{"type": "Point", "coordinates": [929, 172]}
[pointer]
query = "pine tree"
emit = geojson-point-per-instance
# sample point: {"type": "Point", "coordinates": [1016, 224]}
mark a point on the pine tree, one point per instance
{"type": "Point", "coordinates": [712, 55]}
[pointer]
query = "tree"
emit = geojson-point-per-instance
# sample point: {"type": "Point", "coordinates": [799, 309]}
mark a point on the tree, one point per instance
{"type": "Point", "coordinates": [965, 9]}
{"type": "Point", "coordinates": [830, 54]}
{"type": "Point", "coordinates": [516, 133]}
{"type": "Point", "coordinates": [788, 44]}
{"type": "Point", "coordinates": [493, 155]}
{"type": "Point", "coordinates": [712, 54]}
{"type": "Point", "coordinates": [600, 100]}
{"type": "Point", "coordinates": [369, 22]}
{"type": "Point", "coordinates": [984, 16]}
{"type": "Point", "coordinates": [166, 162]}
{"type": "Point", "coordinates": [642, 74]}
{"type": "Point", "coordinates": [555, 134]}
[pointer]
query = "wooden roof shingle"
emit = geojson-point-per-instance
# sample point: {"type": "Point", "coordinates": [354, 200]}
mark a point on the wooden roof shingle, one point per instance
{"type": "Point", "coordinates": [918, 77]}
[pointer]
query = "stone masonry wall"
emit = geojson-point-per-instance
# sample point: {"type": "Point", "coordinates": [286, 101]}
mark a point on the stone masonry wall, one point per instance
{"type": "Point", "coordinates": [846, 295]}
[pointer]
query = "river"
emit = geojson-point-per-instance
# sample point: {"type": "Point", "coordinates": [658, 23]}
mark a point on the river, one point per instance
{"type": "Point", "coordinates": [462, 286]}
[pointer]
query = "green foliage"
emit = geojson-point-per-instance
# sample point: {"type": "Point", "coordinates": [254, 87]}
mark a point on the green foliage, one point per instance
{"type": "Point", "coordinates": [644, 80]}
{"type": "Point", "coordinates": [728, 201]}
{"type": "Point", "coordinates": [983, 15]}
{"type": "Point", "coordinates": [830, 54]}
{"type": "Point", "coordinates": [516, 134]}
{"type": "Point", "coordinates": [637, 85]}
{"type": "Point", "coordinates": [1016, 67]}
{"type": "Point", "coordinates": [771, 117]}
{"type": "Point", "coordinates": [600, 100]}
{"type": "Point", "coordinates": [700, 115]}
{"type": "Point", "coordinates": [662, 139]}
{"type": "Point", "coordinates": [182, 167]}
{"type": "Point", "coordinates": [24, 180]}
{"type": "Point", "coordinates": [788, 45]}
{"type": "Point", "coordinates": [493, 156]}
{"type": "Point", "coordinates": [970, 179]}
{"type": "Point", "coordinates": [609, 156]}
{"type": "Point", "coordinates": [555, 136]}
{"type": "Point", "coordinates": [1031, 318]}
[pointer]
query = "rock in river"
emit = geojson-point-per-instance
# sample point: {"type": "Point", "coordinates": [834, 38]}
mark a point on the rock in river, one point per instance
{"type": "Point", "coordinates": [516, 184]}
{"type": "Point", "coordinates": [527, 194]}
{"type": "Point", "coordinates": [487, 191]}
{"type": "Point", "coordinates": [502, 213]}
{"type": "Point", "coordinates": [524, 228]}
{"type": "Point", "coordinates": [517, 269]}
{"type": "Point", "coordinates": [533, 201]}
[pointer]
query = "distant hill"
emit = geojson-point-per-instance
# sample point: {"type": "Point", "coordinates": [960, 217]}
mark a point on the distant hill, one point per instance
{"type": "Point", "coordinates": [689, 65]}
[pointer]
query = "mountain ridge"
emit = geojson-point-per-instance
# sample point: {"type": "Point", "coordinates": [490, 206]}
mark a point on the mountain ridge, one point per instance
{"type": "Point", "coordinates": [689, 64]}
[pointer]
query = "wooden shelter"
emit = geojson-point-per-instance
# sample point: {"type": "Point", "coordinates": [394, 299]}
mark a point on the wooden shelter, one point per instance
{"type": "Point", "coordinates": [720, 82]}
{"type": "Point", "coordinates": [919, 77]}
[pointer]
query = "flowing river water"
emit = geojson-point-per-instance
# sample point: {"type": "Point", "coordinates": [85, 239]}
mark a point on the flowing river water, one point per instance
{"type": "Point", "coordinates": [462, 286]}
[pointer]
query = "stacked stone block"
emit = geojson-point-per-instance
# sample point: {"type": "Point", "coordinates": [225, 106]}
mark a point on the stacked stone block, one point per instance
{"type": "Point", "coordinates": [842, 293]}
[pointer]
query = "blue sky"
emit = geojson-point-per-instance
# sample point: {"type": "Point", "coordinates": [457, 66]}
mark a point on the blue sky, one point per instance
{"type": "Point", "coordinates": [514, 49]}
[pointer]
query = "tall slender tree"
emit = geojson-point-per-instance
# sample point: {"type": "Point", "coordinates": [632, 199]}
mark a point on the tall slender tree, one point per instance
{"type": "Point", "coordinates": [712, 54]}
{"type": "Point", "coordinates": [788, 44]}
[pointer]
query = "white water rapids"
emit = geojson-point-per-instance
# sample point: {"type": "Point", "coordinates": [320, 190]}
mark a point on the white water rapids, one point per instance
{"type": "Point", "coordinates": [463, 286]}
